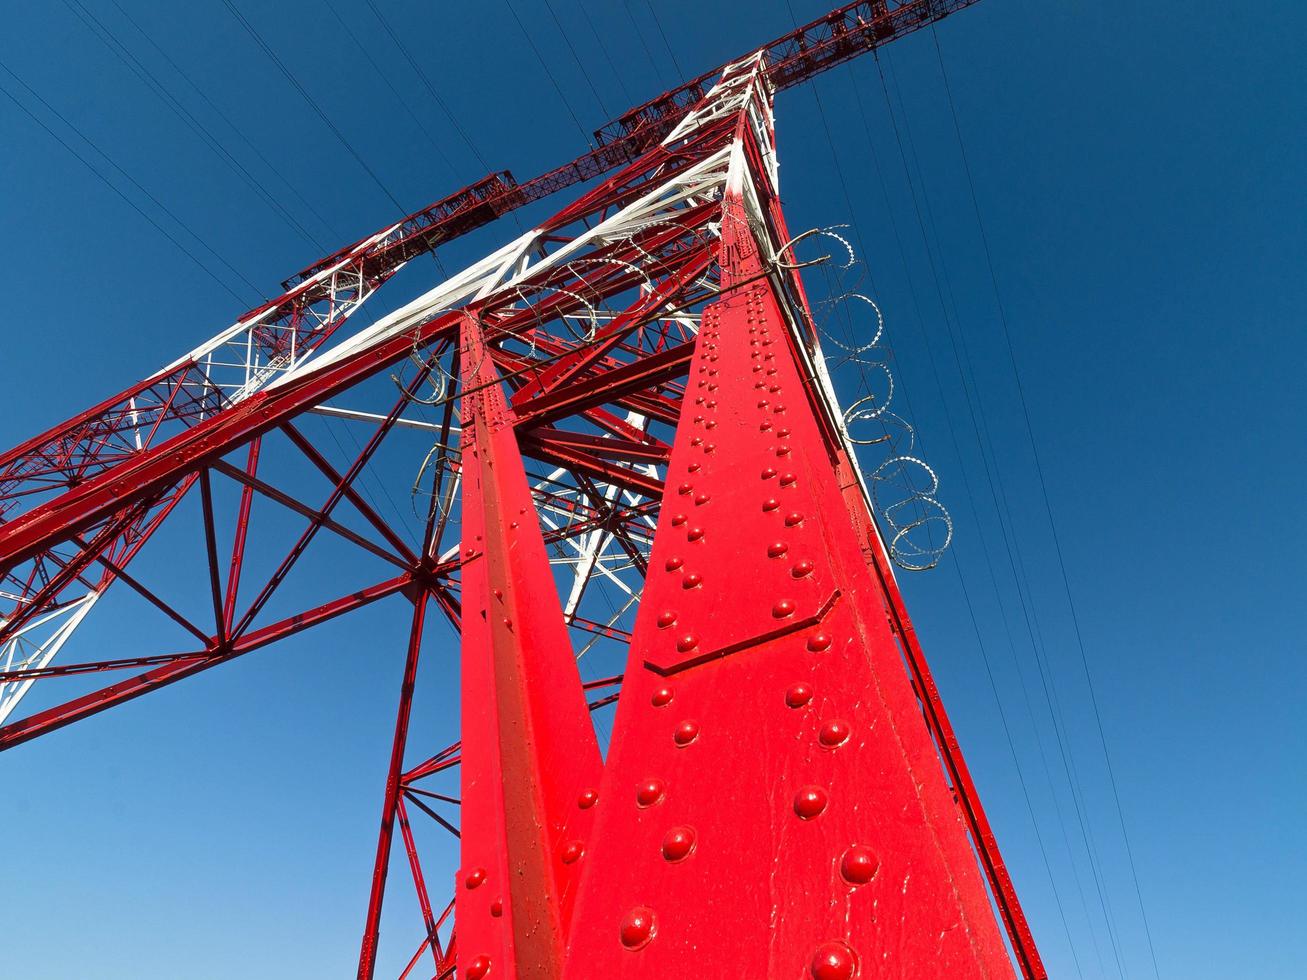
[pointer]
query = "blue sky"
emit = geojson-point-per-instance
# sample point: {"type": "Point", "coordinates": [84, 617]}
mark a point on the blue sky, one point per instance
{"type": "Point", "coordinates": [1138, 172]}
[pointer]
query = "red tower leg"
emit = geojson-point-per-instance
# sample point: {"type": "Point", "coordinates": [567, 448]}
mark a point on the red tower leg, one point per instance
{"type": "Point", "coordinates": [774, 803]}
{"type": "Point", "coordinates": [529, 748]}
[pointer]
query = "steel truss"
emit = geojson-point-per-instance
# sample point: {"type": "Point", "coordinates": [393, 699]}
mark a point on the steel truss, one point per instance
{"type": "Point", "coordinates": [623, 440]}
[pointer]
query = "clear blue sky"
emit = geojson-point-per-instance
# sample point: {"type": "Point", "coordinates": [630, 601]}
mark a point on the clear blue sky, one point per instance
{"type": "Point", "coordinates": [1139, 172]}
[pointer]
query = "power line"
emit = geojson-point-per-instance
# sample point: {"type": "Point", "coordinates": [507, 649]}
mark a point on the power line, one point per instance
{"type": "Point", "coordinates": [431, 89]}
{"type": "Point", "coordinates": [113, 187]}
{"type": "Point", "coordinates": [225, 118]}
{"type": "Point", "coordinates": [577, 58]}
{"type": "Point", "coordinates": [381, 74]}
{"type": "Point", "coordinates": [1007, 335]}
{"type": "Point", "coordinates": [1068, 761]}
{"type": "Point", "coordinates": [659, 24]}
{"type": "Point", "coordinates": [603, 49]}
{"type": "Point", "coordinates": [313, 104]}
{"type": "Point", "coordinates": [151, 81]}
{"type": "Point", "coordinates": [548, 74]}
{"type": "Point", "coordinates": [639, 36]}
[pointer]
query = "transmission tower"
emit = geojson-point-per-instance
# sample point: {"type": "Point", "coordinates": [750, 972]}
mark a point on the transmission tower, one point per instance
{"type": "Point", "coordinates": [624, 438]}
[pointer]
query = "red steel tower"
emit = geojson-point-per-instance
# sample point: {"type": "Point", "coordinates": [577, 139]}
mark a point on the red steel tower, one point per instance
{"type": "Point", "coordinates": [625, 433]}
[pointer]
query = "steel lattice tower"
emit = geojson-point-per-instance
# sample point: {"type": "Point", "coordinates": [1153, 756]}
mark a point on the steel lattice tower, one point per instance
{"type": "Point", "coordinates": [635, 385]}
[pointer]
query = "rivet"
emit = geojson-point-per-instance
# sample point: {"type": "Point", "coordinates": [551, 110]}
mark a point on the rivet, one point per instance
{"type": "Point", "coordinates": [809, 802]}
{"type": "Point", "coordinates": [710, 424]}
{"type": "Point", "coordinates": [687, 642]}
{"type": "Point", "coordinates": [782, 433]}
{"type": "Point", "coordinates": [710, 447]}
{"type": "Point", "coordinates": [698, 419]}
{"type": "Point", "coordinates": [474, 878]}
{"type": "Point", "coordinates": [774, 389]}
{"type": "Point", "coordinates": [770, 504]}
{"type": "Point", "coordinates": [788, 479]}
{"type": "Point", "coordinates": [763, 403]}
{"type": "Point", "coordinates": [587, 799]}
{"type": "Point", "coordinates": [513, 525]}
{"type": "Point", "coordinates": [859, 865]}
{"type": "Point", "coordinates": [686, 732]}
{"type": "Point", "coordinates": [496, 908]}
{"type": "Point", "coordinates": [793, 519]}
{"type": "Point", "coordinates": [478, 968]}
{"type": "Point", "coordinates": [712, 386]}
{"type": "Point", "coordinates": [684, 488]}
{"type": "Point", "coordinates": [650, 793]}
{"type": "Point", "coordinates": [693, 468]}
{"type": "Point", "coordinates": [757, 367]}
{"type": "Point", "coordinates": [764, 425]}
{"type": "Point", "coordinates": [768, 473]}
{"type": "Point", "coordinates": [776, 549]}
{"type": "Point", "coordinates": [666, 618]}
{"type": "Point", "coordinates": [673, 563]}
{"type": "Point", "coordinates": [779, 409]}
{"type": "Point", "coordinates": [499, 593]}
{"type": "Point", "coordinates": [692, 580]}
{"type": "Point", "coordinates": [678, 520]}
{"type": "Point", "coordinates": [833, 961]}
{"type": "Point", "coordinates": [798, 695]}
{"type": "Point", "coordinates": [712, 403]}
{"type": "Point", "coordinates": [678, 843]}
{"type": "Point", "coordinates": [696, 441]}
{"type": "Point", "coordinates": [783, 608]}
{"type": "Point", "coordinates": [638, 927]}
{"type": "Point", "coordinates": [661, 697]}
{"type": "Point", "coordinates": [818, 642]}
{"type": "Point", "coordinates": [699, 400]}
{"type": "Point", "coordinates": [571, 852]}
{"type": "Point", "coordinates": [834, 733]}
{"type": "Point", "coordinates": [802, 568]}
{"type": "Point", "coordinates": [694, 533]}
{"type": "Point", "coordinates": [782, 450]}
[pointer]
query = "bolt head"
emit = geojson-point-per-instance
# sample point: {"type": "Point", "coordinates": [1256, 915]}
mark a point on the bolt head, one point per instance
{"type": "Point", "coordinates": [637, 928]}
{"type": "Point", "coordinates": [859, 864]}
{"type": "Point", "coordinates": [798, 695]}
{"type": "Point", "coordinates": [650, 793]}
{"type": "Point", "coordinates": [478, 968]}
{"type": "Point", "coordinates": [666, 619]}
{"type": "Point", "coordinates": [834, 733]}
{"type": "Point", "coordinates": [819, 642]}
{"type": "Point", "coordinates": [587, 799]}
{"type": "Point", "coordinates": [678, 843]}
{"type": "Point", "coordinates": [793, 519]}
{"type": "Point", "coordinates": [686, 732]}
{"type": "Point", "coordinates": [662, 697]}
{"type": "Point", "coordinates": [776, 549]}
{"type": "Point", "coordinates": [571, 852]}
{"type": "Point", "coordinates": [802, 569]}
{"type": "Point", "coordinates": [833, 961]}
{"type": "Point", "coordinates": [692, 581]}
{"type": "Point", "coordinates": [474, 878]}
{"type": "Point", "coordinates": [809, 802]}
{"type": "Point", "coordinates": [783, 609]}
{"type": "Point", "coordinates": [686, 642]}
{"type": "Point", "coordinates": [770, 504]}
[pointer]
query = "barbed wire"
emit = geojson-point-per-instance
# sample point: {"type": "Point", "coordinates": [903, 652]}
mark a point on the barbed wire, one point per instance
{"type": "Point", "coordinates": [903, 487]}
